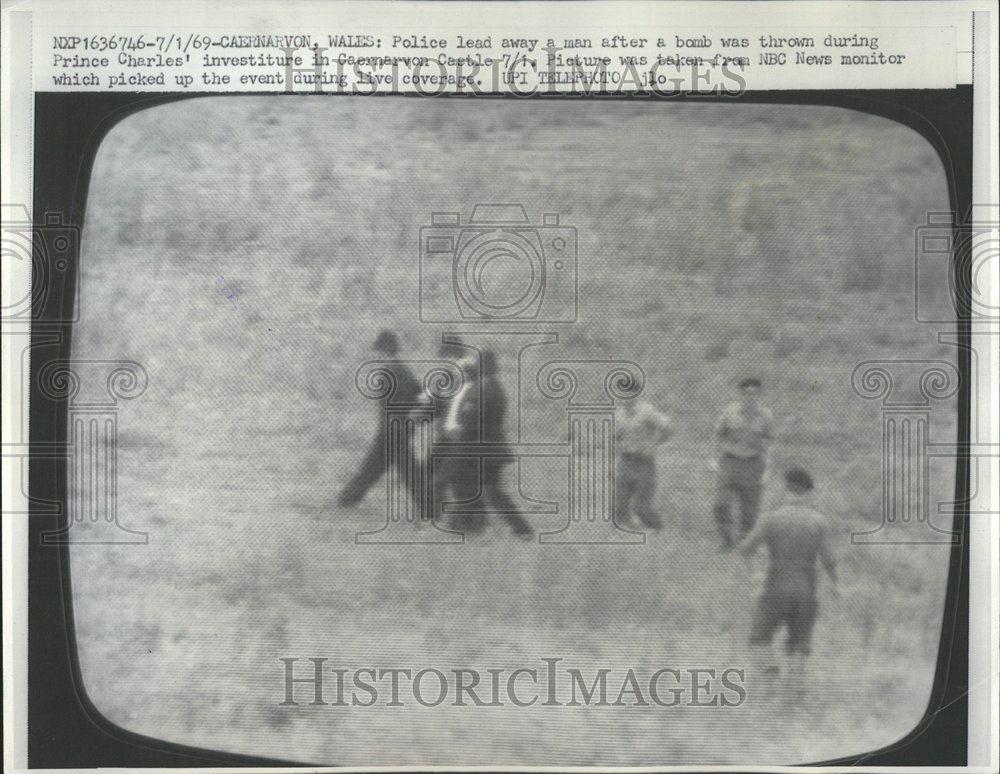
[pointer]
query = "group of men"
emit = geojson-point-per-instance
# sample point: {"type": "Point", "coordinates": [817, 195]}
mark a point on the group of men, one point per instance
{"type": "Point", "coordinates": [476, 414]}
{"type": "Point", "coordinates": [473, 488]}
{"type": "Point", "coordinates": [742, 439]}
{"type": "Point", "coordinates": [795, 534]}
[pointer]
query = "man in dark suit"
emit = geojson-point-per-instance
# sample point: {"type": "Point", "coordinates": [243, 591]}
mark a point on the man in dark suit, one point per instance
{"type": "Point", "coordinates": [373, 464]}
{"type": "Point", "coordinates": [453, 476]}
{"type": "Point", "coordinates": [476, 415]}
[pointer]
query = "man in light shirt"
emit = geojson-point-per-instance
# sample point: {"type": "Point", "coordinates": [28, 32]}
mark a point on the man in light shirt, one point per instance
{"type": "Point", "coordinates": [450, 473]}
{"type": "Point", "coordinates": [743, 437]}
{"type": "Point", "coordinates": [639, 429]}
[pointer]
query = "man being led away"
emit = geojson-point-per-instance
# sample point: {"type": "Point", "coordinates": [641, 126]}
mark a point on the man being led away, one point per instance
{"type": "Point", "coordinates": [743, 434]}
{"type": "Point", "coordinates": [796, 538]}
{"type": "Point", "coordinates": [639, 430]}
{"type": "Point", "coordinates": [478, 414]}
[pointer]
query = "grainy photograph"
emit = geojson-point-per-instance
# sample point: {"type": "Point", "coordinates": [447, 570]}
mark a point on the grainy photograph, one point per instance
{"type": "Point", "coordinates": [495, 432]}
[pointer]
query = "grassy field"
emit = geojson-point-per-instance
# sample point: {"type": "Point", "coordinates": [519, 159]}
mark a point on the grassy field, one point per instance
{"type": "Point", "coordinates": [245, 251]}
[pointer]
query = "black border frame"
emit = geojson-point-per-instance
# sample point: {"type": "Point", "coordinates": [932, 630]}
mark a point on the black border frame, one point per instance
{"type": "Point", "coordinates": [65, 729]}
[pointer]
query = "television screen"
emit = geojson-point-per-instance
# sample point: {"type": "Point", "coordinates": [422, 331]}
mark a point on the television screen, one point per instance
{"type": "Point", "coordinates": [479, 432]}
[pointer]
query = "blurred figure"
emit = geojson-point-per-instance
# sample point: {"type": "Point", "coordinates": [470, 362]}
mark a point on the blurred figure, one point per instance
{"type": "Point", "coordinates": [476, 415]}
{"type": "Point", "coordinates": [639, 430]}
{"type": "Point", "coordinates": [454, 353]}
{"type": "Point", "coordinates": [451, 474]}
{"type": "Point", "coordinates": [373, 464]}
{"type": "Point", "coordinates": [743, 436]}
{"type": "Point", "coordinates": [796, 537]}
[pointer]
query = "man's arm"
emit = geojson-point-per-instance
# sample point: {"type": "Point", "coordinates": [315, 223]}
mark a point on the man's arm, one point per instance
{"type": "Point", "coordinates": [768, 439]}
{"type": "Point", "coordinates": [721, 429]}
{"type": "Point", "coordinates": [826, 556]}
{"type": "Point", "coordinates": [665, 427]}
{"type": "Point", "coordinates": [453, 417]}
{"type": "Point", "coordinates": [750, 543]}
{"type": "Point", "coordinates": [722, 426]}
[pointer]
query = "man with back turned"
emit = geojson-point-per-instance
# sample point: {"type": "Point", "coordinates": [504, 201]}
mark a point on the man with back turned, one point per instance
{"type": "Point", "coordinates": [797, 539]}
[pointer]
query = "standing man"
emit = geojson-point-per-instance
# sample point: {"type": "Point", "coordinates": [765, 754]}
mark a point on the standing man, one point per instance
{"type": "Point", "coordinates": [477, 415]}
{"type": "Point", "coordinates": [373, 464]}
{"type": "Point", "coordinates": [796, 537]}
{"type": "Point", "coordinates": [743, 435]}
{"type": "Point", "coordinates": [639, 430]}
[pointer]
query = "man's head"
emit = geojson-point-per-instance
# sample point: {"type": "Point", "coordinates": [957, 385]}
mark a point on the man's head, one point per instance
{"type": "Point", "coordinates": [386, 342]}
{"type": "Point", "coordinates": [798, 482]}
{"type": "Point", "coordinates": [749, 391]}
